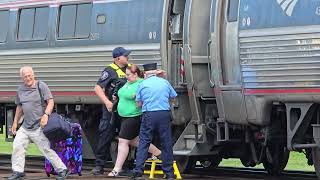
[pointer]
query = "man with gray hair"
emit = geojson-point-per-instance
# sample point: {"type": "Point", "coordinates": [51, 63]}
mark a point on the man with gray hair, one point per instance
{"type": "Point", "coordinates": [35, 117]}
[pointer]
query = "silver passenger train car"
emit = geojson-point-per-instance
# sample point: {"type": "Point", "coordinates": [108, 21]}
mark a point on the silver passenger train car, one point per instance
{"type": "Point", "coordinates": [246, 70]}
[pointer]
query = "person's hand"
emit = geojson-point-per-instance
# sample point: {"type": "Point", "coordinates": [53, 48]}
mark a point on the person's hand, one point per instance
{"type": "Point", "coordinates": [14, 128]}
{"type": "Point", "coordinates": [109, 106]}
{"type": "Point", "coordinates": [44, 120]}
{"type": "Point", "coordinates": [161, 73]}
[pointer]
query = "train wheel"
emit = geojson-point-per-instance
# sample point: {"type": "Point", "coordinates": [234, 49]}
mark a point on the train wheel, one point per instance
{"type": "Point", "coordinates": [185, 163]}
{"type": "Point", "coordinates": [211, 162]}
{"type": "Point", "coordinates": [279, 155]}
{"type": "Point", "coordinates": [316, 160]}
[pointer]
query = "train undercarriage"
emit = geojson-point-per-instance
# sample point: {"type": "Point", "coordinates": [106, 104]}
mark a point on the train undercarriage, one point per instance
{"type": "Point", "coordinates": [269, 145]}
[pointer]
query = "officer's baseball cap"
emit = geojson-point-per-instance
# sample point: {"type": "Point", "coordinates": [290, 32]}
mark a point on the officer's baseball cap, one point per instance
{"type": "Point", "coordinates": [149, 66]}
{"type": "Point", "coordinates": [120, 51]}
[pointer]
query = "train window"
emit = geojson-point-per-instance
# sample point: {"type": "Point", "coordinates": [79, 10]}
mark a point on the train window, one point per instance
{"type": "Point", "coordinates": [41, 23]}
{"type": "Point", "coordinates": [75, 21]}
{"type": "Point", "coordinates": [4, 21]}
{"type": "Point", "coordinates": [33, 24]}
{"type": "Point", "coordinates": [83, 24]}
{"type": "Point", "coordinates": [233, 7]}
{"type": "Point", "coordinates": [67, 21]}
{"type": "Point", "coordinates": [26, 23]}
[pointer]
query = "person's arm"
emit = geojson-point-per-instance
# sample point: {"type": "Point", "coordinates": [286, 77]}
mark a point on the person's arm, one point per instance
{"type": "Point", "coordinates": [100, 93]}
{"type": "Point", "coordinates": [172, 93]}
{"type": "Point", "coordinates": [105, 78]}
{"type": "Point", "coordinates": [138, 96]}
{"type": "Point", "coordinates": [17, 117]}
{"type": "Point", "coordinates": [50, 105]}
{"type": "Point", "coordinates": [45, 117]}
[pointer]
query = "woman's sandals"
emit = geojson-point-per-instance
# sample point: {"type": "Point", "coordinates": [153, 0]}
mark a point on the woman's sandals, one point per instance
{"type": "Point", "coordinates": [113, 173]}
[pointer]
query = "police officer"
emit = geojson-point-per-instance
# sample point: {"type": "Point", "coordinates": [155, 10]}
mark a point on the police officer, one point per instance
{"type": "Point", "coordinates": [154, 94]}
{"type": "Point", "coordinates": [110, 78]}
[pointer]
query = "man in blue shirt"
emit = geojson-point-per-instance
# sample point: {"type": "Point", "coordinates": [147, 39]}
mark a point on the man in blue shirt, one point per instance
{"type": "Point", "coordinates": [154, 95]}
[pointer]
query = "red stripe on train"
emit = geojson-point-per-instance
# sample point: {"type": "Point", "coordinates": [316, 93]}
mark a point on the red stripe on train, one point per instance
{"type": "Point", "coordinates": [281, 91]}
{"type": "Point", "coordinates": [56, 93]}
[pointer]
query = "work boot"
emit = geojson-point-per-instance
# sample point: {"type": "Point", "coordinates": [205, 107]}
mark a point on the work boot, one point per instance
{"type": "Point", "coordinates": [98, 170]}
{"type": "Point", "coordinates": [136, 176]}
{"type": "Point", "coordinates": [63, 174]}
{"type": "Point", "coordinates": [16, 175]}
{"type": "Point", "coordinates": [169, 177]}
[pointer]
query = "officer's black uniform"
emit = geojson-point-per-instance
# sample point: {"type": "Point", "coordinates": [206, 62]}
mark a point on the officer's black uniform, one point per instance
{"type": "Point", "coordinates": [110, 81]}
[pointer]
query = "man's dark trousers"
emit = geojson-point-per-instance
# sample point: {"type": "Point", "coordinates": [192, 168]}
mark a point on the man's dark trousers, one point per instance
{"type": "Point", "coordinates": [106, 134]}
{"type": "Point", "coordinates": [158, 122]}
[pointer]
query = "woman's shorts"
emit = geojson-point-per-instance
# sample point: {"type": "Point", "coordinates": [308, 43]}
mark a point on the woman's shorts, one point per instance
{"type": "Point", "coordinates": [130, 127]}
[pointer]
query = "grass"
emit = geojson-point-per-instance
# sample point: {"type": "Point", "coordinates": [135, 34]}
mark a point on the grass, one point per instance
{"type": "Point", "coordinates": [6, 147]}
{"type": "Point", "coordinates": [297, 161]}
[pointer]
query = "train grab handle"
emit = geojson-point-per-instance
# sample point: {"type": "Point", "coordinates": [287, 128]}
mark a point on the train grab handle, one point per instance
{"type": "Point", "coordinates": [209, 63]}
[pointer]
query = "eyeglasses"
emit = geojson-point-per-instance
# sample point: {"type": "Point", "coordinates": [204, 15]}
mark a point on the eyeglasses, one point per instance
{"type": "Point", "coordinates": [27, 76]}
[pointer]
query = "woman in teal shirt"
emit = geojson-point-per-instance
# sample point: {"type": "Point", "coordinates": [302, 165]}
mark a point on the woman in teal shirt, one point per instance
{"type": "Point", "coordinates": [130, 115]}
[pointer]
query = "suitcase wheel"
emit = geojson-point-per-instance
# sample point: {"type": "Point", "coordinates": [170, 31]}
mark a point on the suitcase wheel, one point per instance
{"type": "Point", "coordinates": [48, 174]}
{"type": "Point", "coordinates": [79, 174]}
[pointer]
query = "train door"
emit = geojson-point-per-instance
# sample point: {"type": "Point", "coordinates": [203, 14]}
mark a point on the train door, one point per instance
{"type": "Point", "coordinates": [225, 65]}
{"type": "Point", "coordinates": [195, 38]}
{"type": "Point", "coordinates": [195, 56]}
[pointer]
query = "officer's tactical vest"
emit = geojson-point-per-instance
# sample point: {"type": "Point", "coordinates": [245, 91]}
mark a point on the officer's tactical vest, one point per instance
{"type": "Point", "coordinates": [118, 70]}
{"type": "Point", "coordinates": [118, 83]}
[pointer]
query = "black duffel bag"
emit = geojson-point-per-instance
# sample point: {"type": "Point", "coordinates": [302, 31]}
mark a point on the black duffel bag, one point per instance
{"type": "Point", "coordinates": [58, 128]}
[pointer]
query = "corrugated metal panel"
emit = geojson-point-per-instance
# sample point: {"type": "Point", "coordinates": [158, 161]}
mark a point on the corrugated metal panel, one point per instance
{"type": "Point", "coordinates": [68, 69]}
{"type": "Point", "coordinates": [280, 58]}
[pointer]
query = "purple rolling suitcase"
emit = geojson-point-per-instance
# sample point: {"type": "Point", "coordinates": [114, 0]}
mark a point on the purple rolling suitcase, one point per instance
{"type": "Point", "coordinates": [70, 152]}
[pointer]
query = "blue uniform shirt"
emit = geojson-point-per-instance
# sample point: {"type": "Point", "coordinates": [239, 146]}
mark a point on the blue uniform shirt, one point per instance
{"type": "Point", "coordinates": [155, 93]}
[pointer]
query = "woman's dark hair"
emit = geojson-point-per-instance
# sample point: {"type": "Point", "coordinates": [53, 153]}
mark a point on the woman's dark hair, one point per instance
{"type": "Point", "coordinates": [135, 69]}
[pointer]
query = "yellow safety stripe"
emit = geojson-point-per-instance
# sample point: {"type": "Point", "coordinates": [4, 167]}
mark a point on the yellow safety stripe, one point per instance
{"type": "Point", "coordinates": [118, 70]}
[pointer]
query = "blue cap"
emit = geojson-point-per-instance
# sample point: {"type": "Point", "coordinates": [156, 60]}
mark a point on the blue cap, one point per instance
{"type": "Point", "coordinates": [149, 66]}
{"type": "Point", "coordinates": [120, 51]}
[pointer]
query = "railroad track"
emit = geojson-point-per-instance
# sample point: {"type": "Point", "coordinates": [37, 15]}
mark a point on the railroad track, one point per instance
{"type": "Point", "coordinates": [36, 165]}
{"type": "Point", "coordinates": [252, 173]}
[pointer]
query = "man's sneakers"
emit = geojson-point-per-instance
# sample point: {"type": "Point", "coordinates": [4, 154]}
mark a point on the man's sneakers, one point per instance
{"type": "Point", "coordinates": [98, 170]}
{"type": "Point", "coordinates": [16, 175]}
{"type": "Point", "coordinates": [63, 174]}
